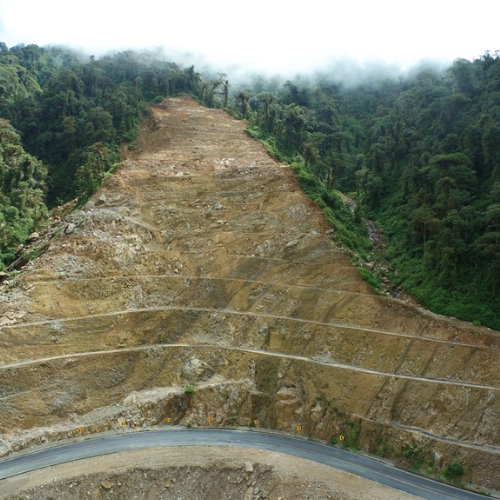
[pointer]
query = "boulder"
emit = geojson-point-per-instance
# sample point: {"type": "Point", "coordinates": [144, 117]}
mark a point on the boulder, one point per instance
{"type": "Point", "coordinates": [33, 237]}
{"type": "Point", "coordinates": [438, 459]}
{"type": "Point", "coordinates": [130, 400]}
{"type": "Point", "coordinates": [69, 228]}
{"type": "Point", "coordinates": [4, 450]}
{"type": "Point", "coordinates": [194, 368]}
{"type": "Point", "coordinates": [12, 315]}
{"type": "Point", "coordinates": [3, 276]}
{"type": "Point", "coordinates": [101, 200]}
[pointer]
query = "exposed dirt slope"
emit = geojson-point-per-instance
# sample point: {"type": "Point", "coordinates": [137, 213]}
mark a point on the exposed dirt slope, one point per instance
{"type": "Point", "coordinates": [201, 238]}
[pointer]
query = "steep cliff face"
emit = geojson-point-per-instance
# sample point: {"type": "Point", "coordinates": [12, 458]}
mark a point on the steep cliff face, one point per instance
{"type": "Point", "coordinates": [200, 261]}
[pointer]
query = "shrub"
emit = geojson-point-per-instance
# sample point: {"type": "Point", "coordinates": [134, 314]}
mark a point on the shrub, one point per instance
{"type": "Point", "coordinates": [189, 390]}
{"type": "Point", "coordinates": [453, 470]}
{"type": "Point", "coordinates": [370, 278]}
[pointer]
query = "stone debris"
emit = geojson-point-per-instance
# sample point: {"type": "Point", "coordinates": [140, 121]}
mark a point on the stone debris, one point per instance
{"type": "Point", "coordinates": [101, 200]}
{"type": "Point", "coordinates": [214, 481]}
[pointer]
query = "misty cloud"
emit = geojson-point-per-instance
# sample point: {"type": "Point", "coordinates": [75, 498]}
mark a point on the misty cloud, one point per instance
{"type": "Point", "coordinates": [260, 36]}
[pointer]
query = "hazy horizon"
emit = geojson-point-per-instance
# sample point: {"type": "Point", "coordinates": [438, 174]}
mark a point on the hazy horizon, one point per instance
{"type": "Point", "coordinates": [271, 38]}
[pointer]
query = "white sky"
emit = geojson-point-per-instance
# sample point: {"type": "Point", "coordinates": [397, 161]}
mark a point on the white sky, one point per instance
{"type": "Point", "coordinates": [274, 36]}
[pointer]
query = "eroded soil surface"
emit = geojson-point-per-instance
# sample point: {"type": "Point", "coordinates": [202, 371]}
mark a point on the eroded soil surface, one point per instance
{"type": "Point", "coordinates": [201, 263]}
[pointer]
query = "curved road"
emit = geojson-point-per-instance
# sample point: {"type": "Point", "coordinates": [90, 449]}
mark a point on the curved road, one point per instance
{"type": "Point", "coordinates": [327, 455]}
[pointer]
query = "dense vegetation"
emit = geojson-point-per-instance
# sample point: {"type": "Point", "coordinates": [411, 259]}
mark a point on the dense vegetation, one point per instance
{"type": "Point", "coordinates": [419, 155]}
{"type": "Point", "coordinates": [22, 188]}
{"type": "Point", "coordinates": [72, 116]}
{"type": "Point", "coordinates": [422, 158]}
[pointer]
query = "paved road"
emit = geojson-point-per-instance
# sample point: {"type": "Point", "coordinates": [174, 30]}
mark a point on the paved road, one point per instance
{"type": "Point", "coordinates": [327, 455]}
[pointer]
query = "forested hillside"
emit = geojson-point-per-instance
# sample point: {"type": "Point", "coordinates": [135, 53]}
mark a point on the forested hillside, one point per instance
{"type": "Point", "coordinates": [422, 158]}
{"type": "Point", "coordinates": [72, 116]}
{"type": "Point", "coordinates": [419, 155]}
{"type": "Point", "coordinates": [22, 188]}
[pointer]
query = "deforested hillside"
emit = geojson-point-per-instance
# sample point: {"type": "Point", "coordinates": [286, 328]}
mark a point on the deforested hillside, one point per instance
{"type": "Point", "coordinates": [416, 156]}
{"type": "Point", "coordinates": [201, 263]}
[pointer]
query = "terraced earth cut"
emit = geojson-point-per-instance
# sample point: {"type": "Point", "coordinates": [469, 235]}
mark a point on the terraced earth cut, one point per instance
{"type": "Point", "coordinates": [200, 262]}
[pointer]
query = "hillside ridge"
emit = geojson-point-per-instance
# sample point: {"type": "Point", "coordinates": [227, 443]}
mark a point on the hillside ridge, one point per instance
{"type": "Point", "coordinates": [201, 263]}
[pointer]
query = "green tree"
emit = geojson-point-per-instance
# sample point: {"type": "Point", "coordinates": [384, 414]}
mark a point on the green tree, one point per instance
{"type": "Point", "coordinates": [22, 191]}
{"type": "Point", "coordinates": [243, 97]}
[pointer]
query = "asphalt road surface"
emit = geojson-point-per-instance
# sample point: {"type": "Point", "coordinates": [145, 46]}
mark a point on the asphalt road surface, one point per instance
{"type": "Point", "coordinates": [327, 455]}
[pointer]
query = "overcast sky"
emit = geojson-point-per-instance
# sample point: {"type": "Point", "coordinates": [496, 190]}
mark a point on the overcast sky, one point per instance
{"type": "Point", "coordinates": [269, 35]}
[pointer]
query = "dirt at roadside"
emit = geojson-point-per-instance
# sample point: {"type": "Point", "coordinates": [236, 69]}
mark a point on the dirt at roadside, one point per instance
{"type": "Point", "coordinates": [194, 473]}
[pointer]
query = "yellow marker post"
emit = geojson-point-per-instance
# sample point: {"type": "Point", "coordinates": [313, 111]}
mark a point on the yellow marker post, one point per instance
{"type": "Point", "coordinates": [169, 419]}
{"type": "Point", "coordinates": [256, 422]}
{"type": "Point", "coordinates": [299, 427]}
{"type": "Point", "coordinates": [79, 431]}
{"type": "Point", "coordinates": [209, 419]}
{"type": "Point", "coordinates": [341, 438]}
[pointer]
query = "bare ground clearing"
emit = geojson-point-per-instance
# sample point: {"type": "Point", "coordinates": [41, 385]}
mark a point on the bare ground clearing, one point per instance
{"type": "Point", "coordinates": [203, 244]}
